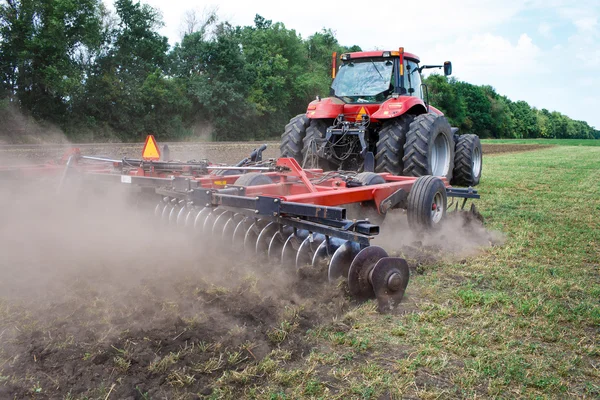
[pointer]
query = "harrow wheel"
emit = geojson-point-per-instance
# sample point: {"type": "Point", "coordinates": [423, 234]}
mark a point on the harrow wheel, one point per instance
{"type": "Point", "coordinates": [427, 204]}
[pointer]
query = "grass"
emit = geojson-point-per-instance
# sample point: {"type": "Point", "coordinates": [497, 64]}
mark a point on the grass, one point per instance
{"type": "Point", "coordinates": [519, 320]}
{"type": "Point", "coordinates": [556, 142]}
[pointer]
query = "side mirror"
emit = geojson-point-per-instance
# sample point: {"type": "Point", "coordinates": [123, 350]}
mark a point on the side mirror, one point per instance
{"type": "Point", "coordinates": [447, 68]}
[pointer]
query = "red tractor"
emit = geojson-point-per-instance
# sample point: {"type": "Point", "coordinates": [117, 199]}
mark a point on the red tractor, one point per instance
{"type": "Point", "coordinates": [378, 118]}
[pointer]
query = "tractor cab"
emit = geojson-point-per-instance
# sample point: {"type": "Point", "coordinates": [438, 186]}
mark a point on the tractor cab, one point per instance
{"type": "Point", "coordinates": [372, 77]}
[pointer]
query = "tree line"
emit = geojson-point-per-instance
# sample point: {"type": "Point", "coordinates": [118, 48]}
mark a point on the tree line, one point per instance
{"type": "Point", "coordinates": [101, 75]}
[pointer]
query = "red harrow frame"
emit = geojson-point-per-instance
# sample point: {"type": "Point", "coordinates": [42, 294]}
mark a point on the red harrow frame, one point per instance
{"type": "Point", "coordinates": [283, 213]}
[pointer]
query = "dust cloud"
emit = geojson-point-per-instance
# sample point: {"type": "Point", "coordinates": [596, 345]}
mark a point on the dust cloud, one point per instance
{"type": "Point", "coordinates": [462, 234]}
{"type": "Point", "coordinates": [91, 282]}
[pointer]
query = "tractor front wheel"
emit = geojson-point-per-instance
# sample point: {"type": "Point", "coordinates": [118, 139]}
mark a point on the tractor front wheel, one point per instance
{"type": "Point", "coordinates": [390, 146]}
{"type": "Point", "coordinates": [293, 137]}
{"type": "Point", "coordinates": [429, 148]}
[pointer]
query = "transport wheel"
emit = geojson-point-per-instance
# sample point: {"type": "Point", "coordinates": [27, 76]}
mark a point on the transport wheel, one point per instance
{"type": "Point", "coordinates": [429, 148]}
{"type": "Point", "coordinates": [467, 161]}
{"type": "Point", "coordinates": [390, 146]}
{"type": "Point", "coordinates": [368, 208]}
{"type": "Point", "coordinates": [293, 136]}
{"type": "Point", "coordinates": [253, 179]}
{"type": "Point", "coordinates": [427, 204]}
{"type": "Point", "coordinates": [316, 130]}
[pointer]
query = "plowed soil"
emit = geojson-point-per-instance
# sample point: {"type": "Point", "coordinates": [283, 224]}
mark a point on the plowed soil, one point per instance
{"type": "Point", "coordinates": [100, 301]}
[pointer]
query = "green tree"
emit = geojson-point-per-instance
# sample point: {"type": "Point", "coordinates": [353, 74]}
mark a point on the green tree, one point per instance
{"type": "Point", "coordinates": [43, 45]}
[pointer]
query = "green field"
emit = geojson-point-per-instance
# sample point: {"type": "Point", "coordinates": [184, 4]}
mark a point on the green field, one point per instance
{"type": "Point", "coordinates": [519, 320]}
{"type": "Point", "coordinates": [555, 142]}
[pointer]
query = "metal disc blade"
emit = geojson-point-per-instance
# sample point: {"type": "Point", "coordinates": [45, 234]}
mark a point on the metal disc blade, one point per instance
{"type": "Point", "coordinates": [325, 251]}
{"type": "Point", "coordinates": [291, 246]}
{"type": "Point", "coordinates": [251, 235]}
{"type": "Point", "coordinates": [200, 218]}
{"type": "Point", "coordinates": [277, 242]}
{"type": "Point", "coordinates": [191, 217]}
{"type": "Point", "coordinates": [210, 220]}
{"type": "Point", "coordinates": [175, 211]}
{"type": "Point", "coordinates": [239, 233]}
{"type": "Point", "coordinates": [229, 228]}
{"type": "Point", "coordinates": [264, 238]}
{"type": "Point", "coordinates": [181, 215]}
{"type": "Point", "coordinates": [341, 260]}
{"type": "Point", "coordinates": [166, 212]}
{"type": "Point", "coordinates": [219, 224]}
{"type": "Point", "coordinates": [389, 279]}
{"type": "Point", "coordinates": [360, 269]}
{"type": "Point", "coordinates": [307, 249]}
{"type": "Point", "coordinates": [159, 207]}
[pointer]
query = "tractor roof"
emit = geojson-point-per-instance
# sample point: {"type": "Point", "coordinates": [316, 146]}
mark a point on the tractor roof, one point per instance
{"type": "Point", "coordinates": [379, 53]}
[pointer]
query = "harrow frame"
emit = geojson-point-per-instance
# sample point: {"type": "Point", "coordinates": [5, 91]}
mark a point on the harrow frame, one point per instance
{"type": "Point", "coordinates": [292, 215]}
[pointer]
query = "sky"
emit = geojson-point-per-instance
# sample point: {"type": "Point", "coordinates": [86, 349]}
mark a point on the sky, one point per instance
{"type": "Point", "coordinates": [546, 52]}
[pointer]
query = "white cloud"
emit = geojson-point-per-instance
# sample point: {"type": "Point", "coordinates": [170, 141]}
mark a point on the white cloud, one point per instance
{"type": "Point", "coordinates": [545, 29]}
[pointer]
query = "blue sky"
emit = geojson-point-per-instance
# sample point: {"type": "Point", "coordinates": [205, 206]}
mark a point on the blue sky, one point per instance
{"type": "Point", "coordinates": [546, 52]}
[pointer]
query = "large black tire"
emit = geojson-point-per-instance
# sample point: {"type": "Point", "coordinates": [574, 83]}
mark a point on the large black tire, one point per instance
{"type": "Point", "coordinates": [292, 138]}
{"type": "Point", "coordinates": [468, 161]}
{"type": "Point", "coordinates": [390, 146]}
{"type": "Point", "coordinates": [427, 204]}
{"type": "Point", "coordinates": [429, 148]}
{"type": "Point", "coordinates": [317, 129]}
{"type": "Point", "coordinates": [253, 179]}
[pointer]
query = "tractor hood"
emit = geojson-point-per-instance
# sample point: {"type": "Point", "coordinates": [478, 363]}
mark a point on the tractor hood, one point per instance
{"type": "Point", "coordinates": [331, 107]}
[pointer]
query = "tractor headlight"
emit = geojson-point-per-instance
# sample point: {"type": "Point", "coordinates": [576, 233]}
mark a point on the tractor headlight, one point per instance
{"type": "Point", "coordinates": [386, 54]}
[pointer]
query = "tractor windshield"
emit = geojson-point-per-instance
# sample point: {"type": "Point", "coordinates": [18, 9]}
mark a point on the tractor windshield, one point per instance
{"type": "Point", "coordinates": [364, 80]}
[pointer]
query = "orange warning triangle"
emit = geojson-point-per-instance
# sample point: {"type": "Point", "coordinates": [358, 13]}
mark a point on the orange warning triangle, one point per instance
{"type": "Point", "coordinates": [151, 151]}
{"type": "Point", "coordinates": [361, 113]}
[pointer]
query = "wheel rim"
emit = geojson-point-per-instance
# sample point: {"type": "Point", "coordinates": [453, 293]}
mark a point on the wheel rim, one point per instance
{"type": "Point", "coordinates": [476, 162]}
{"type": "Point", "coordinates": [440, 156]}
{"type": "Point", "coordinates": [437, 208]}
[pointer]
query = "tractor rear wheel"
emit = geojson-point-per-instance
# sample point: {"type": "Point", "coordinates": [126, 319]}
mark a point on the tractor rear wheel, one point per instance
{"type": "Point", "coordinates": [390, 146]}
{"type": "Point", "coordinates": [427, 203]}
{"type": "Point", "coordinates": [467, 161]}
{"type": "Point", "coordinates": [316, 130]}
{"type": "Point", "coordinates": [292, 138]}
{"type": "Point", "coordinates": [429, 148]}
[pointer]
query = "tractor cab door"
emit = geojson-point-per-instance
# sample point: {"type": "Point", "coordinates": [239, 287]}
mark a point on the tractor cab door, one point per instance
{"type": "Point", "coordinates": [412, 79]}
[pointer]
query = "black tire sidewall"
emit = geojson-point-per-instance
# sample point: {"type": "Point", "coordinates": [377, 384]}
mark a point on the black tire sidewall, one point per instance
{"type": "Point", "coordinates": [420, 201]}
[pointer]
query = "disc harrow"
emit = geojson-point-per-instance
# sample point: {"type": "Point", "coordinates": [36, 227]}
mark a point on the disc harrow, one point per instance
{"type": "Point", "coordinates": [285, 215]}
